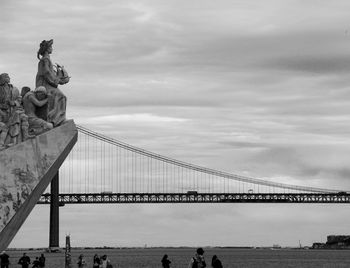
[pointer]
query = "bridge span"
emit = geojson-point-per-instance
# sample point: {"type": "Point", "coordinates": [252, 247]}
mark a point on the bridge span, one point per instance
{"type": "Point", "coordinates": [122, 198]}
{"type": "Point", "coordinates": [103, 170]}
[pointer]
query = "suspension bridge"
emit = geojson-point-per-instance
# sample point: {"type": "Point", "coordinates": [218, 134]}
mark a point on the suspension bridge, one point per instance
{"type": "Point", "coordinates": [101, 169]}
{"type": "Point", "coordinates": [98, 169]}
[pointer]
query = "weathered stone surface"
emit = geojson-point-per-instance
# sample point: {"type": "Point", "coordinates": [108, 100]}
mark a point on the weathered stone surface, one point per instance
{"type": "Point", "coordinates": [13, 120]}
{"type": "Point", "coordinates": [26, 170]}
{"type": "Point", "coordinates": [50, 78]}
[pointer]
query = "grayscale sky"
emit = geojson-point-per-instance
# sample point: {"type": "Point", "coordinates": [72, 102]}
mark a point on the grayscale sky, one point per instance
{"type": "Point", "coordinates": [257, 88]}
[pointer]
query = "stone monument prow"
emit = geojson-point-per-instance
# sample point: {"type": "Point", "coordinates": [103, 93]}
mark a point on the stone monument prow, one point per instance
{"type": "Point", "coordinates": [26, 169]}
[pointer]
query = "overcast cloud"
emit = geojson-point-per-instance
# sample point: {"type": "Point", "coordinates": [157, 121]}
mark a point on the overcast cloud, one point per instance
{"type": "Point", "coordinates": [258, 88]}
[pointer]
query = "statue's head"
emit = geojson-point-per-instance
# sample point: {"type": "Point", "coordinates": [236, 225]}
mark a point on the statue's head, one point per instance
{"type": "Point", "coordinates": [4, 79]}
{"type": "Point", "coordinates": [40, 89]}
{"type": "Point", "coordinates": [24, 91]}
{"type": "Point", "coordinates": [45, 46]}
{"type": "Point", "coordinates": [40, 93]}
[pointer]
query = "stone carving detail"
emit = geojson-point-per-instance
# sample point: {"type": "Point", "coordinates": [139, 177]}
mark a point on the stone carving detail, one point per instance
{"type": "Point", "coordinates": [23, 168]}
{"type": "Point", "coordinates": [13, 120]}
{"type": "Point", "coordinates": [50, 76]}
{"type": "Point", "coordinates": [13, 197]}
{"type": "Point", "coordinates": [32, 101]}
{"type": "Point", "coordinates": [25, 115]}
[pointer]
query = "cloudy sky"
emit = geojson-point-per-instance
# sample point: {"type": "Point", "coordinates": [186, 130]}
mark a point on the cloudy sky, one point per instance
{"type": "Point", "coordinates": [258, 88]}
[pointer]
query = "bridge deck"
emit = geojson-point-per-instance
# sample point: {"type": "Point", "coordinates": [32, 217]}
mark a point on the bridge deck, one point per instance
{"type": "Point", "coordinates": [103, 198]}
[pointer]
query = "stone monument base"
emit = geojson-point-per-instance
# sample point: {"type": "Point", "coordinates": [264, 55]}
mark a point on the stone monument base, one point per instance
{"type": "Point", "coordinates": [26, 170]}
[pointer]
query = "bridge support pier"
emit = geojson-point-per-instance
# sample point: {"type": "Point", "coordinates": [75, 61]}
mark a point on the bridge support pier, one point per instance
{"type": "Point", "coordinates": [54, 214]}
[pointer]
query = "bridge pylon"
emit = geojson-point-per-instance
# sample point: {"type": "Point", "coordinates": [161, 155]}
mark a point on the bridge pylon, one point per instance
{"type": "Point", "coordinates": [54, 242]}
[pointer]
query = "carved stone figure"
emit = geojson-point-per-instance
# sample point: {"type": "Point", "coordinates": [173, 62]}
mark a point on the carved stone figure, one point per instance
{"type": "Point", "coordinates": [5, 91]}
{"type": "Point", "coordinates": [41, 112]}
{"type": "Point", "coordinates": [3, 134]}
{"type": "Point", "coordinates": [50, 78]}
{"type": "Point", "coordinates": [14, 122]}
{"type": "Point", "coordinates": [5, 96]}
{"type": "Point", "coordinates": [18, 121]}
{"type": "Point", "coordinates": [31, 104]}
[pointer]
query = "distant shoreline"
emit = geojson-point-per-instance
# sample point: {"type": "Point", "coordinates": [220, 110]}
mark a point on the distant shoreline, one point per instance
{"type": "Point", "coordinates": [179, 247]}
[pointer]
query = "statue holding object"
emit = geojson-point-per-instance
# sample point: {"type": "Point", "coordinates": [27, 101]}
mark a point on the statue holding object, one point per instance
{"type": "Point", "coordinates": [50, 76]}
{"type": "Point", "coordinates": [43, 109]}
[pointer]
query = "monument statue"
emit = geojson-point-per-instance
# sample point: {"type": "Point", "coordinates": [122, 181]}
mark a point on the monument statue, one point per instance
{"type": "Point", "coordinates": [31, 104]}
{"type": "Point", "coordinates": [19, 126]}
{"type": "Point", "coordinates": [13, 120]}
{"type": "Point", "coordinates": [5, 96]}
{"type": "Point", "coordinates": [50, 76]}
{"type": "Point", "coordinates": [43, 109]}
{"type": "Point", "coordinates": [27, 169]}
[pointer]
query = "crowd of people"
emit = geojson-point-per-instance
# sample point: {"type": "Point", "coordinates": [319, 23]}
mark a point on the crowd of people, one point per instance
{"type": "Point", "coordinates": [197, 261]}
{"type": "Point", "coordinates": [23, 261]}
{"type": "Point", "coordinates": [98, 262]}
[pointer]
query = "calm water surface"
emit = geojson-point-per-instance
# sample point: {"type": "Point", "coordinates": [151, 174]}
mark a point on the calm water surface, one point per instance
{"type": "Point", "coordinates": [249, 258]}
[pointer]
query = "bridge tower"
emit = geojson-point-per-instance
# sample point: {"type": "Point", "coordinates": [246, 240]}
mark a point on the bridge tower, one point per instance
{"type": "Point", "coordinates": [54, 242]}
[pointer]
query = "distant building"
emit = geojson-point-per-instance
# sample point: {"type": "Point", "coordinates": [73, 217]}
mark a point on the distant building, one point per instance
{"type": "Point", "coordinates": [338, 241]}
{"type": "Point", "coordinates": [318, 245]}
{"type": "Point", "coordinates": [334, 242]}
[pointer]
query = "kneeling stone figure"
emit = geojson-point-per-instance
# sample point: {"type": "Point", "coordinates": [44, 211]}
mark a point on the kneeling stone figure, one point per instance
{"type": "Point", "coordinates": [30, 104]}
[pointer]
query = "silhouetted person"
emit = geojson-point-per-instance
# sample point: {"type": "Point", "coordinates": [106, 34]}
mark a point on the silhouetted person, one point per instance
{"type": "Point", "coordinates": [215, 262]}
{"type": "Point", "coordinates": [105, 262]}
{"type": "Point", "coordinates": [42, 261]}
{"type": "Point", "coordinates": [24, 261]}
{"type": "Point", "coordinates": [165, 261]}
{"type": "Point", "coordinates": [198, 260]}
{"type": "Point", "coordinates": [96, 261]}
{"type": "Point", "coordinates": [36, 263]}
{"type": "Point", "coordinates": [81, 261]}
{"type": "Point", "coordinates": [5, 260]}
